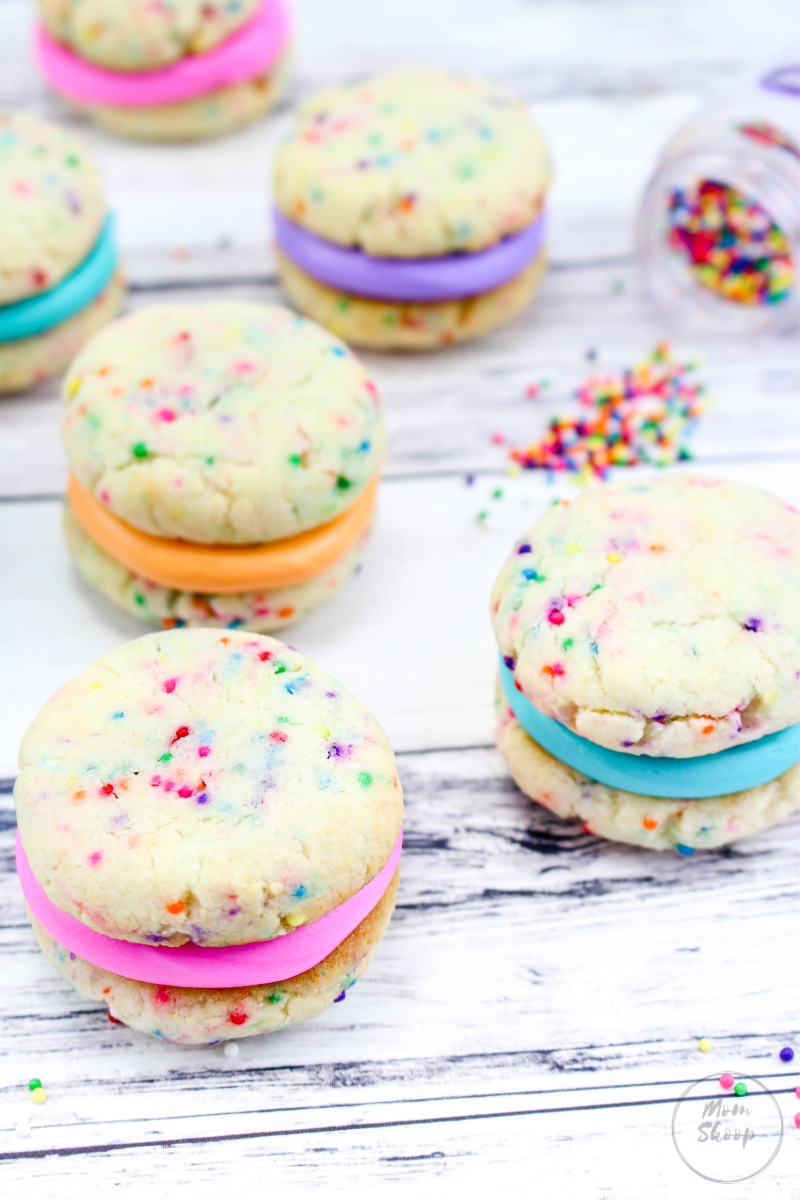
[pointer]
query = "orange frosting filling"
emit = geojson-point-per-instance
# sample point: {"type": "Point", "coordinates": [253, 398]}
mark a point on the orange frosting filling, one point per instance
{"type": "Point", "coordinates": [224, 570]}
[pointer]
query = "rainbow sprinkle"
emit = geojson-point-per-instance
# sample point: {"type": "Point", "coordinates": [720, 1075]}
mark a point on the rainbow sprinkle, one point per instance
{"type": "Point", "coordinates": [733, 246]}
{"type": "Point", "coordinates": [639, 416]}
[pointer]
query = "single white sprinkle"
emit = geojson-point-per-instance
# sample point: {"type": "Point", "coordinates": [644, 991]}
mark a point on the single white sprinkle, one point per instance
{"type": "Point", "coordinates": [231, 1050]}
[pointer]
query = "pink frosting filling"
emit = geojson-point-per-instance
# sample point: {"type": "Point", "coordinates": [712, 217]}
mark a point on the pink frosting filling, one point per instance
{"type": "Point", "coordinates": [208, 966]}
{"type": "Point", "coordinates": [246, 54]}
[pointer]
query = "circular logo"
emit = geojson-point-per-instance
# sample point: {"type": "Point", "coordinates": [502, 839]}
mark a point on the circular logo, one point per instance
{"type": "Point", "coordinates": [723, 1137]}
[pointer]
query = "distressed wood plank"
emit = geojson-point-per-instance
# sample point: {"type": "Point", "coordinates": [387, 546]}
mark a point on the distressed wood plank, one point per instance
{"type": "Point", "coordinates": [442, 410]}
{"type": "Point", "coordinates": [409, 635]}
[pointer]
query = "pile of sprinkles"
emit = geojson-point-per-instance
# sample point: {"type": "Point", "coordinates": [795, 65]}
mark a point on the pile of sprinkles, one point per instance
{"type": "Point", "coordinates": [640, 416]}
{"type": "Point", "coordinates": [731, 244]}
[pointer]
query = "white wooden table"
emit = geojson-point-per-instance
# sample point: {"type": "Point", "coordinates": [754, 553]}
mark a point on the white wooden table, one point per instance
{"type": "Point", "coordinates": [534, 1010]}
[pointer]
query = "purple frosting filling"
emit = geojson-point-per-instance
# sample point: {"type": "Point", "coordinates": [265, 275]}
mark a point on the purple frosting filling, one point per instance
{"type": "Point", "coordinates": [424, 280]}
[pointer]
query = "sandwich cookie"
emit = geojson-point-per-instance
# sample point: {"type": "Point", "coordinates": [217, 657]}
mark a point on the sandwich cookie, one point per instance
{"type": "Point", "coordinates": [649, 661]}
{"type": "Point", "coordinates": [209, 835]}
{"type": "Point", "coordinates": [225, 462]}
{"type": "Point", "coordinates": [166, 72]}
{"type": "Point", "coordinates": [59, 275]}
{"type": "Point", "coordinates": [410, 209]}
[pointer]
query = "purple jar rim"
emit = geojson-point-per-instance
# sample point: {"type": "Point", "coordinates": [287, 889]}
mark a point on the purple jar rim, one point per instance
{"type": "Point", "coordinates": [784, 79]}
{"type": "Point", "coordinates": [420, 280]}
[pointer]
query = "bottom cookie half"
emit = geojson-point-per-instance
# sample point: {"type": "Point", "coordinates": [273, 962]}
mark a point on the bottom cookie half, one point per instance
{"type": "Point", "coordinates": [387, 325]}
{"type": "Point", "coordinates": [202, 1016]}
{"type": "Point", "coordinates": [262, 612]}
{"type": "Point", "coordinates": [31, 360]}
{"type": "Point", "coordinates": [209, 116]}
{"type": "Point", "coordinates": [649, 821]}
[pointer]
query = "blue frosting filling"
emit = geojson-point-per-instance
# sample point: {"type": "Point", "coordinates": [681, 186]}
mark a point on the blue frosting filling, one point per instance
{"type": "Point", "coordinates": [732, 770]}
{"type": "Point", "coordinates": [29, 317]}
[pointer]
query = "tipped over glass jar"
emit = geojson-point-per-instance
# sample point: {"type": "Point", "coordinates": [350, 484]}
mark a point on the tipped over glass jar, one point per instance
{"type": "Point", "coordinates": [718, 234]}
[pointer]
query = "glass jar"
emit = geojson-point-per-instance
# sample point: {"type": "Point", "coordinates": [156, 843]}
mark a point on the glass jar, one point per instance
{"type": "Point", "coordinates": [718, 234]}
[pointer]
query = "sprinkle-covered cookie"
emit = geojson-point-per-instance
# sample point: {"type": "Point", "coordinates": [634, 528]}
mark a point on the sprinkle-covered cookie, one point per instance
{"type": "Point", "coordinates": [410, 209]}
{"type": "Point", "coordinates": [137, 35]}
{"type": "Point", "coordinates": [657, 617]}
{"type": "Point", "coordinates": [175, 71]}
{"type": "Point", "coordinates": [207, 788]}
{"type": "Point", "coordinates": [221, 423]}
{"type": "Point", "coordinates": [413, 163]}
{"type": "Point", "coordinates": [52, 206]}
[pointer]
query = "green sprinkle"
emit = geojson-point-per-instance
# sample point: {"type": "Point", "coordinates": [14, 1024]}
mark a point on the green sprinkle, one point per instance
{"type": "Point", "coordinates": [33, 1084]}
{"type": "Point", "coordinates": [295, 460]}
{"type": "Point", "coordinates": [497, 494]}
{"type": "Point", "coordinates": [617, 286]}
{"type": "Point", "coordinates": [72, 160]}
{"type": "Point", "coordinates": [596, 588]}
{"type": "Point", "coordinates": [140, 450]}
{"type": "Point", "coordinates": [364, 779]}
{"type": "Point", "coordinates": [283, 720]}
{"type": "Point", "coordinates": [275, 998]}
{"type": "Point", "coordinates": [741, 1089]}
{"type": "Point", "coordinates": [566, 643]}
{"type": "Point", "coordinates": [165, 757]}
{"type": "Point", "coordinates": [280, 668]}
{"type": "Point", "coordinates": [483, 514]}
{"type": "Point", "coordinates": [139, 599]}
{"type": "Point", "coordinates": [390, 319]}
{"type": "Point", "coordinates": [342, 483]}
{"type": "Point", "coordinates": [343, 304]}
{"type": "Point", "coordinates": [210, 462]}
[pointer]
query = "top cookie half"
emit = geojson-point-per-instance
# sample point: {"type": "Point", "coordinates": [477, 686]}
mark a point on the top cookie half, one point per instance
{"type": "Point", "coordinates": [413, 163]}
{"type": "Point", "coordinates": [138, 35]}
{"type": "Point", "coordinates": [52, 205]}
{"type": "Point", "coordinates": [658, 617]}
{"type": "Point", "coordinates": [193, 786]}
{"type": "Point", "coordinates": [221, 423]}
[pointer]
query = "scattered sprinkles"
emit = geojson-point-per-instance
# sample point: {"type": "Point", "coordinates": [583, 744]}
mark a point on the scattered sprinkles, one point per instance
{"type": "Point", "coordinates": [732, 245]}
{"type": "Point", "coordinates": [640, 416]}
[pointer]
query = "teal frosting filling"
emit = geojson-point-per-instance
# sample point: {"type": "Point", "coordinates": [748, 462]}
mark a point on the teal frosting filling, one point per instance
{"type": "Point", "coordinates": [732, 770]}
{"type": "Point", "coordinates": [29, 317]}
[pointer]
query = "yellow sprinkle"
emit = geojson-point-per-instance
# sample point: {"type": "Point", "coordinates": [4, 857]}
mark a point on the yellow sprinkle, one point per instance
{"type": "Point", "coordinates": [514, 470]}
{"type": "Point", "coordinates": [73, 387]}
{"type": "Point", "coordinates": [704, 1044]}
{"type": "Point", "coordinates": [38, 1095]}
{"type": "Point", "coordinates": [614, 557]}
{"type": "Point", "coordinates": [573, 548]}
{"type": "Point", "coordinates": [294, 918]}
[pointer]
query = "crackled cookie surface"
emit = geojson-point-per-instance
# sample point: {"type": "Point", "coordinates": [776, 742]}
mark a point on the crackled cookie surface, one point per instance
{"type": "Point", "coordinates": [137, 35]}
{"type": "Point", "coordinates": [413, 163]}
{"type": "Point", "coordinates": [222, 423]}
{"type": "Point", "coordinates": [649, 821]}
{"type": "Point", "coordinates": [199, 1016]}
{"type": "Point", "coordinates": [51, 205]}
{"type": "Point", "coordinates": [205, 787]}
{"type": "Point", "coordinates": [658, 617]}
